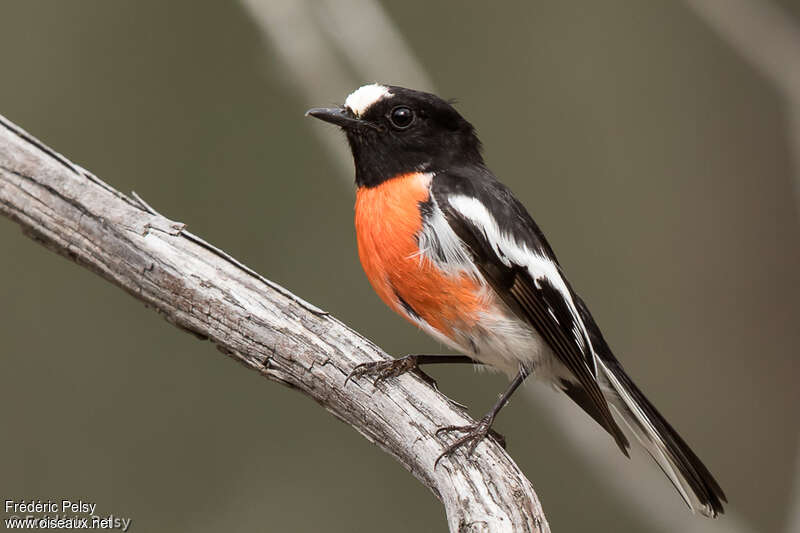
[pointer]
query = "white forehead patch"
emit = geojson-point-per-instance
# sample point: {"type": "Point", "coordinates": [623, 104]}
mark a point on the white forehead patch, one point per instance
{"type": "Point", "coordinates": [362, 98]}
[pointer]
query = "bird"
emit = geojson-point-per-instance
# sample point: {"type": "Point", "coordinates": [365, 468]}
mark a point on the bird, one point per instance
{"type": "Point", "coordinates": [450, 248]}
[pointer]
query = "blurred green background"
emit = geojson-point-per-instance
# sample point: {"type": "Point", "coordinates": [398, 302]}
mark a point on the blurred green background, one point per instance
{"type": "Point", "coordinates": [656, 159]}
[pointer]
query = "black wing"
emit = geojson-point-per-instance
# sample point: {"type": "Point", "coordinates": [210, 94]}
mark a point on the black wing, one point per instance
{"type": "Point", "coordinates": [540, 301]}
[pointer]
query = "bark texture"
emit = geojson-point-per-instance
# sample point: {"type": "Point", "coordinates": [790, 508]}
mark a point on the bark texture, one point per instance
{"type": "Point", "coordinates": [202, 290]}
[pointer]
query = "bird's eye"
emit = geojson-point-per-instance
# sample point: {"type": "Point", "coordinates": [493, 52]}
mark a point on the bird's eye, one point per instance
{"type": "Point", "coordinates": [401, 117]}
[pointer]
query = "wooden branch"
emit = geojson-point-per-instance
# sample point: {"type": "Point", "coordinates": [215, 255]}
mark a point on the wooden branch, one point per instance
{"type": "Point", "coordinates": [203, 290]}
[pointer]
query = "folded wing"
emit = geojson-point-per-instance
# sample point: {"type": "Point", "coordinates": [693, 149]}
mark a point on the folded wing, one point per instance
{"type": "Point", "coordinates": [513, 256]}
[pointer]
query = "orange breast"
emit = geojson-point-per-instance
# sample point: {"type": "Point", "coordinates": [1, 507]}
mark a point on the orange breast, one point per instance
{"type": "Point", "coordinates": [388, 221]}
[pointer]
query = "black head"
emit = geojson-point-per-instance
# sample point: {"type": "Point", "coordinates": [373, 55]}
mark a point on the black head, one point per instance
{"type": "Point", "coordinates": [393, 130]}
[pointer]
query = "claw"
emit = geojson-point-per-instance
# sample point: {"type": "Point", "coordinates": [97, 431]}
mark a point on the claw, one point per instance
{"type": "Point", "coordinates": [355, 373]}
{"type": "Point", "coordinates": [383, 369]}
{"type": "Point", "coordinates": [475, 433]}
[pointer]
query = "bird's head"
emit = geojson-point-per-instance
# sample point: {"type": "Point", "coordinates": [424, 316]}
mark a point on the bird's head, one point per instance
{"type": "Point", "coordinates": [394, 131]}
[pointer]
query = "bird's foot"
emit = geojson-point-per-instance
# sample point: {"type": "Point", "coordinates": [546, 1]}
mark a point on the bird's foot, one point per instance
{"type": "Point", "coordinates": [382, 370]}
{"type": "Point", "coordinates": [473, 435]}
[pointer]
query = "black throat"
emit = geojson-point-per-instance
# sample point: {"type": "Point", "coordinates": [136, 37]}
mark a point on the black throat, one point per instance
{"type": "Point", "coordinates": [377, 161]}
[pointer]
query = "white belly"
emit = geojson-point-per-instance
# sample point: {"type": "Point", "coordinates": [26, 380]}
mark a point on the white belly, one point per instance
{"type": "Point", "coordinates": [504, 342]}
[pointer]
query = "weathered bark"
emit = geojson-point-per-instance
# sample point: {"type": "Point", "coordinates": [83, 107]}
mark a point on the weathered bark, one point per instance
{"type": "Point", "coordinates": [203, 290]}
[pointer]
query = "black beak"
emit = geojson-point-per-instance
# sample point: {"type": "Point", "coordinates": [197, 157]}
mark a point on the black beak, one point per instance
{"type": "Point", "coordinates": [335, 115]}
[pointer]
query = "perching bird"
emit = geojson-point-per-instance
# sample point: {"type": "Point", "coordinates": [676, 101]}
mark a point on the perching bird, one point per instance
{"type": "Point", "coordinates": [449, 247]}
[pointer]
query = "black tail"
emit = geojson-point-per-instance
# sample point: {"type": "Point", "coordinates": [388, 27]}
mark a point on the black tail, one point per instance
{"type": "Point", "coordinates": [688, 474]}
{"type": "Point", "coordinates": [691, 478]}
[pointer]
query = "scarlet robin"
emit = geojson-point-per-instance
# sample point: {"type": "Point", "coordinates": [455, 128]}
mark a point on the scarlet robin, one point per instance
{"type": "Point", "coordinates": [449, 247]}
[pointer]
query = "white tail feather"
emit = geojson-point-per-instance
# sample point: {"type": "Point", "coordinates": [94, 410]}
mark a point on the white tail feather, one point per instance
{"type": "Point", "coordinates": [628, 410]}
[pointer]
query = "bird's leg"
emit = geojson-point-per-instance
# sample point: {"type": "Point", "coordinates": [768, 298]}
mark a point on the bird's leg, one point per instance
{"type": "Point", "coordinates": [386, 369]}
{"type": "Point", "coordinates": [475, 433]}
{"type": "Point", "coordinates": [389, 369]}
